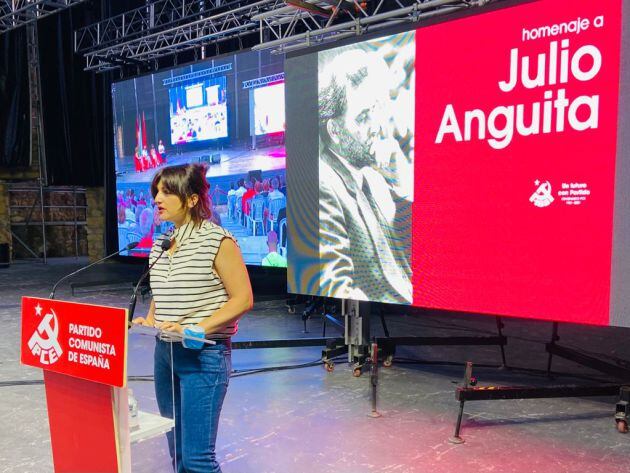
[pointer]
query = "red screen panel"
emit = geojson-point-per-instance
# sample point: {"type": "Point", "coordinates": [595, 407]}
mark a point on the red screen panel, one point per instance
{"type": "Point", "coordinates": [515, 144]}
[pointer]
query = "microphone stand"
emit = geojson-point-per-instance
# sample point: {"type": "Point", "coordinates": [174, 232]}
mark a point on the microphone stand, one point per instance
{"type": "Point", "coordinates": [166, 245]}
{"type": "Point", "coordinates": [129, 247]}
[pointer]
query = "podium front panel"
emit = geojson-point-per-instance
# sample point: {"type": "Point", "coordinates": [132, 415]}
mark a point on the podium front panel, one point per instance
{"type": "Point", "coordinates": [80, 340]}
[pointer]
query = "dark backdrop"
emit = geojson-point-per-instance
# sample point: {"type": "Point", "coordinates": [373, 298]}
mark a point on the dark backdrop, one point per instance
{"type": "Point", "coordinates": [14, 101]}
{"type": "Point", "coordinates": [76, 104]}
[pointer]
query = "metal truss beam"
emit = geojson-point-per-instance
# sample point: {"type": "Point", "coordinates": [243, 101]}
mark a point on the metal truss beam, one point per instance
{"type": "Point", "coordinates": [284, 38]}
{"type": "Point", "coordinates": [16, 13]}
{"type": "Point", "coordinates": [197, 74]}
{"type": "Point", "coordinates": [157, 15]}
{"type": "Point", "coordinates": [260, 81]}
{"type": "Point", "coordinates": [166, 27]}
{"type": "Point", "coordinates": [137, 37]}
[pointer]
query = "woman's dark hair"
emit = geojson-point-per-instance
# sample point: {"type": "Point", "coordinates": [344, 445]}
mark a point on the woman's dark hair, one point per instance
{"type": "Point", "coordinates": [183, 181]}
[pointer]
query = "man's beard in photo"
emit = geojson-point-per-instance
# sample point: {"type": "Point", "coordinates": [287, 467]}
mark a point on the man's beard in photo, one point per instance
{"type": "Point", "coordinates": [356, 152]}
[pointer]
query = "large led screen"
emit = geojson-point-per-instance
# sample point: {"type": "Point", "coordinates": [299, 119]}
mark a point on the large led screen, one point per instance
{"type": "Point", "coordinates": [445, 168]}
{"type": "Point", "coordinates": [204, 112]}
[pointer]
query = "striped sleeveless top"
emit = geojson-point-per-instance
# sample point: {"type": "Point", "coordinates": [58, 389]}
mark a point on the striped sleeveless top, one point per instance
{"type": "Point", "coordinates": [186, 288]}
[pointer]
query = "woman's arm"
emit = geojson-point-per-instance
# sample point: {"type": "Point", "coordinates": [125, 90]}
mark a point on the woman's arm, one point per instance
{"type": "Point", "coordinates": [231, 269]}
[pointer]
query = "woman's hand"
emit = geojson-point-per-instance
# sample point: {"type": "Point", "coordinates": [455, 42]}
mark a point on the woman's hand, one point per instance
{"type": "Point", "coordinates": [142, 321]}
{"type": "Point", "coordinates": [171, 327]}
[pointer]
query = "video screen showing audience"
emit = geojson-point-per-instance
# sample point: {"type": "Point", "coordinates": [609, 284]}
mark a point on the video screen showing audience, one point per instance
{"type": "Point", "coordinates": [207, 112]}
{"type": "Point", "coordinates": [198, 111]}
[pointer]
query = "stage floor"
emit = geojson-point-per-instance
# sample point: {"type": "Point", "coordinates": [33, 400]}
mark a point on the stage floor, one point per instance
{"type": "Point", "coordinates": [310, 421]}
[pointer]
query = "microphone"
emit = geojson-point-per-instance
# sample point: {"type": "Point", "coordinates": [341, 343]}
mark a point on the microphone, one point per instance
{"type": "Point", "coordinates": [165, 245]}
{"type": "Point", "coordinates": [129, 247]}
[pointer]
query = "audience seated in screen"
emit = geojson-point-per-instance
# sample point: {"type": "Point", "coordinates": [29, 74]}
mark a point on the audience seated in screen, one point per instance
{"type": "Point", "coordinates": [282, 185]}
{"type": "Point", "coordinates": [150, 158]}
{"type": "Point", "coordinates": [130, 215]}
{"type": "Point", "coordinates": [241, 188]}
{"type": "Point", "coordinates": [146, 229]}
{"type": "Point", "coordinates": [247, 196]}
{"type": "Point", "coordinates": [231, 200]}
{"type": "Point", "coordinates": [266, 188]}
{"type": "Point", "coordinates": [139, 221]}
{"type": "Point", "coordinates": [141, 200]}
{"type": "Point", "coordinates": [273, 203]}
{"type": "Point", "coordinates": [122, 220]}
{"type": "Point", "coordinates": [155, 157]}
{"type": "Point", "coordinates": [256, 210]}
{"type": "Point", "coordinates": [275, 192]}
{"type": "Point", "coordinates": [162, 150]}
{"type": "Point", "coordinates": [274, 258]}
{"type": "Point", "coordinates": [275, 207]}
{"type": "Point", "coordinates": [138, 161]}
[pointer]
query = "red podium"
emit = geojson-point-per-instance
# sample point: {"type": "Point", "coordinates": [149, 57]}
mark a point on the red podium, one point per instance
{"type": "Point", "coordinates": [82, 349]}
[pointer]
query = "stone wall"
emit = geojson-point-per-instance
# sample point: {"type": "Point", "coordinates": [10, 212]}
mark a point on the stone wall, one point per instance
{"type": "Point", "coordinates": [5, 229]}
{"type": "Point", "coordinates": [14, 174]}
{"type": "Point", "coordinates": [19, 207]}
{"type": "Point", "coordinates": [63, 236]}
{"type": "Point", "coordinates": [5, 211]}
{"type": "Point", "coordinates": [95, 222]}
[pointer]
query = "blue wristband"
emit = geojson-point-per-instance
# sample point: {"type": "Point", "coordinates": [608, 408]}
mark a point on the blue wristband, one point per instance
{"type": "Point", "coordinates": [195, 332]}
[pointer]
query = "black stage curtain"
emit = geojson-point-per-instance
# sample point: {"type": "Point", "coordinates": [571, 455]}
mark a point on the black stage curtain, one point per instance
{"type": "Point", "coordinates": [78, 120]}
{"type": "Point", "coordinates": [75, 103]}
{"type": "Point", "coordinates": [14, 101]}
{"type": "Point", "coordinates": [77, 112]}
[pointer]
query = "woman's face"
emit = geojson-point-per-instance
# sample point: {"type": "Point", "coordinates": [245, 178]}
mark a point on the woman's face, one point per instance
{"type": "Point", "coordinates": [171, 209]}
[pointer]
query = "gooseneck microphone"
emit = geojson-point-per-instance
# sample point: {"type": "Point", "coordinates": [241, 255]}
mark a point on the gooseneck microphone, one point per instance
{"type": "Point", "coordinates": [165, 245]}
{"type": "Point", "coordinates": [129, 247]}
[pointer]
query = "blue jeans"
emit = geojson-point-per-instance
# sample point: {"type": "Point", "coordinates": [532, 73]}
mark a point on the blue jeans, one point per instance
{"type": "Point", "coordinates": [193, 394]}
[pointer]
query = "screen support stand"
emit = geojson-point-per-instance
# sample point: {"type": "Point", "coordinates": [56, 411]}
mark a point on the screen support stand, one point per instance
{"type": "Point", "coordinates": [468, 391]}
{"type": "Point", "coordinates": [388, 344]}
{"type": "Point", "coordinates": [357, 333]}
{"type": "Point", "coordinates": [385, 347]}
{"type": "Point", "coordinates": [356, 326]}
{"type": "Point", "coordinates": [356, 342]}
{"type": "Point", "coordinates": [619, 371]}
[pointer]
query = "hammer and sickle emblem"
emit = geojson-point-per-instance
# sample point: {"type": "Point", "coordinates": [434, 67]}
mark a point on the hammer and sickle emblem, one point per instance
{"type": "Point", "coordinates": [44, 341]}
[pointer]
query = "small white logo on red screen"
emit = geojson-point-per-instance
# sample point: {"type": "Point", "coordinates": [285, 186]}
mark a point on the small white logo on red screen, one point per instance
{"type": "Point", "coordinates": [542, 195]}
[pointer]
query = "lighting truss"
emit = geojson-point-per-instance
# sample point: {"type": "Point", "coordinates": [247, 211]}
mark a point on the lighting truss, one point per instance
{"type": "Point", "coordinates": [197, 74]}
{"type": "Point", "coordinates": [260, 81]}
{"type": "Point", "coordinates": [166, 27]}
{"type": "Point", "coordinates": [16, 13]}
{"type": "Point", "coordinates": [357, 20]}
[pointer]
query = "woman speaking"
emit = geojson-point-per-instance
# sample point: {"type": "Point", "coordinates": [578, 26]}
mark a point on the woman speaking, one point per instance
{"type": "Point", "coordinates": [200, 288]}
